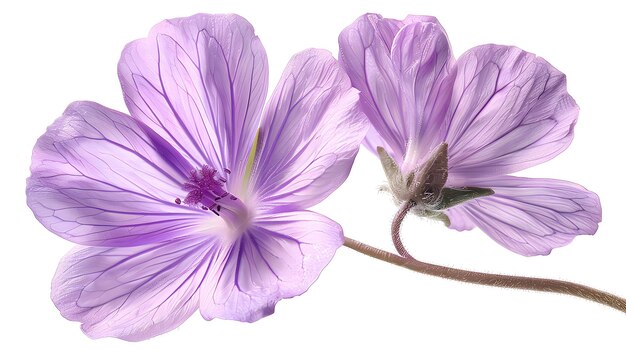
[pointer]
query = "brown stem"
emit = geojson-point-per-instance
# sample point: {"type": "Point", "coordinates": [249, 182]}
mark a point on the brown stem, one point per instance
{"type": "Point", "coordinates": [395, 229]}
{"type": "Point", "coordinates": [500, 280]}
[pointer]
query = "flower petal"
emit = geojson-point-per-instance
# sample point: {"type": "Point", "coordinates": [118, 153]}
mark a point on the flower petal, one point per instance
{"type": "Point", "coordinates": [421, 53]}
{"type": "Point", "coordinates": [459, 219]}
{"type": "Point", "coordinates": [279, 257]}
{"type": "Point", "coordinates": [532, 216]}
{"type": "Point", "coordinates": [364, 52]}
{"type": "Point", "coordinates": [200, 83]}
{"type": "Point", "coordinates": [101, 178]}
{"type": "Point", "coordinates": [510, 110]}
{"type": "Point", "coordinates": [132, 293]}
{"type": "Point", "coordinates": [401, 70]}
{"type": "Point", "coordinates": [310, 133]}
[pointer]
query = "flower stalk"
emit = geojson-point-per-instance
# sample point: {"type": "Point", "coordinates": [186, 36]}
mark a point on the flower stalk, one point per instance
{"type": "Point", "coordinates": [499, 280]}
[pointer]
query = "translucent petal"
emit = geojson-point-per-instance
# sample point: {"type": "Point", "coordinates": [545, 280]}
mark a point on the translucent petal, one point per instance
{"type": "Point", "coordinates": [101, 178]}
{"type": "Point", "coordinates": [280, 257]}
{"type": "Point", "coordinates": [200, 83]}
{"type": "Point", "coordinates": [133, 293]}
{"type": "Point", "coordinates": [400, 69]}
{"type": "Point", "coordinates": [510, 110]}
{"type": "Point", "coordinates": [310, 133]}
{"type": "Point", "coordinates": [531, 216]}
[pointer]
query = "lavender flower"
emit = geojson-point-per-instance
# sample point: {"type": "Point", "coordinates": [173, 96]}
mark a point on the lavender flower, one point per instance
{"type": "Point", "coordinates": [449, 132]}
{"type": "Point", "coordinates": [197, 200]}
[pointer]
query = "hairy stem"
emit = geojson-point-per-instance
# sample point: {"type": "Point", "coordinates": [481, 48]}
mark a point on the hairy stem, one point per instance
{"type": "Point", "coordinates": [395, 229]}
{"type": "Point", "coordinates": [499, 280]}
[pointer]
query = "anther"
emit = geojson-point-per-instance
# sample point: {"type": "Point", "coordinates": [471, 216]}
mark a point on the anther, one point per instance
{"type": "Point", "coordinates": [177, 201]}
{"type": "Point", "coordinates": [205, 188]}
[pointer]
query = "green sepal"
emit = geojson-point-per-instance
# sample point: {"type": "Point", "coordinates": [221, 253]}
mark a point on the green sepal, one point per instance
{"type": "Point", "coordinates": [454, 196]}
{"type": "Point", "coordinates": [392, 171]}
{"type": "Point", "coordinates": [395, 179]}
{"type": "Point", "coordinates": [432, 176]}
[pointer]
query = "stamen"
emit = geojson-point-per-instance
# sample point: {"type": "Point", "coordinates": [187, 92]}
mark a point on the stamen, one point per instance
{"type": "Point", "coordinates": [212, 208]}
{"type": "Point", "coordinates": [205, 188]}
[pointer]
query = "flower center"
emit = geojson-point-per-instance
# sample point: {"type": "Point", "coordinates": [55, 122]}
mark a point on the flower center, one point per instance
{"type": "Point", "coordinates": [206, 189]}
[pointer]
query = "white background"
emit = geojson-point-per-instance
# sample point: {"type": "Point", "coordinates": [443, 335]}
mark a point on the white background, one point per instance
{"type": "Point", "coordinates": [56, 52]}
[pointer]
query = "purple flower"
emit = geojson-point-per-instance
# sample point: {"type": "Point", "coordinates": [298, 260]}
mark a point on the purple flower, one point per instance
{"type": "Point", "coordinates": [198, 199]}
{"type": "Point", "coordinates": [450, 131]}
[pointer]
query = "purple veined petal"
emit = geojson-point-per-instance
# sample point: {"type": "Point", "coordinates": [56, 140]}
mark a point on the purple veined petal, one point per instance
{"type": "Point", "coordinates": [133, 293]}
{"type": "Point", "coordinates": [279, 257]}
{"type": "Point", "coordinates": [400, 69]}
{"type": "Point", "coordinates": [101, 178]}
{"type": "Point", "coordinates": [199, 82]}
{"type": "Point", "coordinates": [364, 52]}
{"type": "Point", "coordinates": [310, 133]}
{"type": "Point", "coordinates": [421, 53]}
{"type": "Point", "coordinates": [532, 216]}
{"type": "Point", "coordinates": [510, 110]}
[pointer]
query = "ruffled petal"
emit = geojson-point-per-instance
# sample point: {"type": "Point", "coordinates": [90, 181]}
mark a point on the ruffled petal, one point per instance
{"type": "Point", "coordinates": [531, 216]}
{"type": "Point", "coordinates": [310, 133]}
{"type": "Point", "coordinates": [510, 110]}
{"type": "Point", "coordinates": [279, 257]}
{"type": "Point", "coordinates": [101, 178]}
{"type": "Point", "coordinates": [200, 83]}
{"type": "Point", "coordinates": [132, 293]}
{"type": "Point", "coordinates": [401, 70]}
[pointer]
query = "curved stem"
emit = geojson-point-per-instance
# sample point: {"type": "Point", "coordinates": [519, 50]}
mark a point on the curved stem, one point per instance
{"type": "Point", "coordinates": [395, 229]}
{"type": "Point", "coordinates": [499, 280]}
